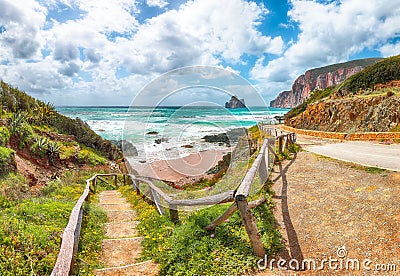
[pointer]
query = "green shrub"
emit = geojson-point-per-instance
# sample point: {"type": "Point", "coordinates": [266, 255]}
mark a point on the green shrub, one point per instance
{"type": "Point", "coordinates": [4, 136]}
{"type": "Point", "coordinates": [7, 162]}
{"type": "Point", "coordinates": [39, 146]}
{"type": "Point", "coordinates": [381, 72]}
{"type": "Point", "coordinates": [13, 188]}
{"type": "Point", "coordinates": [88, 156]}
{"type": "Point", "coordinates": [53, 151]}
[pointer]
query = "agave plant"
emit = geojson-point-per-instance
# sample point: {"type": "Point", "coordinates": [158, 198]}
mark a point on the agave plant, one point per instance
{"type": "Point", "coordinates": [42, 112]}
{"type": "Point", "coordinates": [53, 151]}
{"type": "Point", "coordinates": [16, 122]}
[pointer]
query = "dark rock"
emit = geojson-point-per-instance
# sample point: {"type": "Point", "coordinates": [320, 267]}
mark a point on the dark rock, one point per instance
{"type": "Point", "coordinates": [127, 147]}
{"type": "Point", "coordinates": [152, 133]}
{"type": "Point", "coordinates": [234, 102]}
{"type": "Point", "coordinates": [187, 146]}
{"type": "Point", "coordinates": [231, 136]}
{"type": "Point", "coordinates": [160, 140]}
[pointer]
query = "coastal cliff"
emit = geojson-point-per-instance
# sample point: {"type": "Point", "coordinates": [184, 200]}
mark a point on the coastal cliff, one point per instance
{"type": "Point", "coordinates": [234, 102]}
{"type": "Point", "coordinates": [319, 78]}
{"type": "Point", "coordinates": [366, 102]}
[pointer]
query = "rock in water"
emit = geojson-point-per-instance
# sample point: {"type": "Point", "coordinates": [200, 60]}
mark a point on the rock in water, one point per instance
{"type": "Point", "coordinates": [127, 147]}
{"type": "Point", "coordinates": [234, 102]}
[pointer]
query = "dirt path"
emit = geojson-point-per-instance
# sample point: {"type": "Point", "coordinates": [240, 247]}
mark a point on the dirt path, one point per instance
{"type": "Point", "coordinates": [324, 204]}
{"type": "Point", "coordinates": [122, 247]}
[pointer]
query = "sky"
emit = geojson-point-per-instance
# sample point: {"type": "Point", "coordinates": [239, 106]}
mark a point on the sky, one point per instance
{"type": "Point", "coordinates": [96, 52]}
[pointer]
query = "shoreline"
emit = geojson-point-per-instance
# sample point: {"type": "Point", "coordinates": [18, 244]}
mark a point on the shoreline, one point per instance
{"type": "Point", "coordinates": [185, 169]}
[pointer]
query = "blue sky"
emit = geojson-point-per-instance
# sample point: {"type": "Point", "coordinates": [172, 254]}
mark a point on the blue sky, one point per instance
{"type": "Point", "coordinates": [94, 52]}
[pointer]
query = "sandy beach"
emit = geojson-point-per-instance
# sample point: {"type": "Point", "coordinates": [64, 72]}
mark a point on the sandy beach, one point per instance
{"type": "Point", "coordinates": [185, 169]}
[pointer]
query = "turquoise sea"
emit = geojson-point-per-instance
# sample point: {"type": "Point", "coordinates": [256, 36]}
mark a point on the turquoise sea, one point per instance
{"type": "Point", "coordinates": [177, 126]}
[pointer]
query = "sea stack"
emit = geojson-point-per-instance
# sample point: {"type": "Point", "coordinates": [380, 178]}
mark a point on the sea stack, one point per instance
{"type": "Point", "coordinates": [234, 102]}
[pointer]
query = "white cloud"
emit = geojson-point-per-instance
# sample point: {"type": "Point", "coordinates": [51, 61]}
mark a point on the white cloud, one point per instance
{"type": "Point", "coordinates": [156, 3]}
{"type": "Point", "coordinates": [23, 21]}
{"type": "Point", "coordinates": [390, 49]}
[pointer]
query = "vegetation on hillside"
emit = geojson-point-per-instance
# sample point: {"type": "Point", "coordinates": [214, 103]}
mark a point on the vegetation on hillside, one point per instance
{"type": "Point", "coordinates": [35, 112]}
{"type": "Point", "coordinates": [381, 72]}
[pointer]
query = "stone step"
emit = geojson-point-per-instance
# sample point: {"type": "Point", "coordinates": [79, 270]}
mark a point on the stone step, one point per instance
{"type": "Point", "coordinates": [116, 207]}
{"type": "Point", "coordinates": [121, 229]}
{"type": "Point", "coordinates": [112, 200]}
{"type": "Point", "coordinates": [147, 268]}
{"type": "Point", "coordinates": [120, 252]}
{"type": "Point", "coordinates": [121, 216]}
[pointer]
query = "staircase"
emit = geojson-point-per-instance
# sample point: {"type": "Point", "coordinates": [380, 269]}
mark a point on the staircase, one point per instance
{"type": "Point", "coordinates": [122, 246]}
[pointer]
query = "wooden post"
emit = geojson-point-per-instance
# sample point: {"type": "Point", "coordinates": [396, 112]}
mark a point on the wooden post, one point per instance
{"type": "Point", "coordinates": [136, 185]}
{"type": "Point", "coordinates": [173, 213]}
{"type": "Point", "coordinates": [263, 169]}
{"type": "Point", "coordinates": [250, 225]}
{"type": "Point", "coordinates": [115, 180]}
{"type": "Point", "coordinates": [94, 184]}
{"type": "Point", "coordinates": [284, 143]}
{"type": "Point", "coordinates": [280, 144]}
{"type": "Point", "coordinates": [124, 179]}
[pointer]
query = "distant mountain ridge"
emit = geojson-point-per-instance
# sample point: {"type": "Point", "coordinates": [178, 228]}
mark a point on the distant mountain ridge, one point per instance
{"type": "Point", "coordinates": [319, 78]}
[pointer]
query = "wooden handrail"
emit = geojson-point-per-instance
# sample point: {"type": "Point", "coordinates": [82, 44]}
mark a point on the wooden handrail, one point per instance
{"type": "Point", "coordinates": [70, 237]}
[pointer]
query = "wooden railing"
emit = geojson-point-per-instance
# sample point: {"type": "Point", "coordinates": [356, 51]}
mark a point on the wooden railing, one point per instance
{"type": "Point", "coordinates": [70, 237]}
{"type": "Point", "coordinates": [260, 166]}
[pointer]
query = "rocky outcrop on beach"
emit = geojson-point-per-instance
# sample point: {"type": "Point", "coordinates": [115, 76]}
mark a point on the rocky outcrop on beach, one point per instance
{"type": "Point", "coordinates": [231, 136]}
{"type": "Point", "coordinates": [127, 147]}
{"type": "Point", "coordinates": [319, 78]}
{"type": "Point", "coordinates": [234, 102]}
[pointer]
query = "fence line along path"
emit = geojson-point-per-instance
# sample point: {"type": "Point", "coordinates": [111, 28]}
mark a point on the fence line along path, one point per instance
{"type": "Point", "coordinates": [122, 247]}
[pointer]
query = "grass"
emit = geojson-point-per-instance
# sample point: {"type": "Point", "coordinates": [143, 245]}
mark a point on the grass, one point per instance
{"type": "Point", "coordinates": [186, 248]}
{"type": "Point", "coordinates": [89, 156]}
{"type": "Point", "coordinates": [31, 227]}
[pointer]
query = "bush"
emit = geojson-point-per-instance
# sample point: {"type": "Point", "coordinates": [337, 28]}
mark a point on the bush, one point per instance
{"type": "Point", "coordinates": [39, 146]}
{"type": "Point", "coordinates": [88, 156]}
{"type": "Point", "coordinates": [7, 161]}
{"type": "Point", "coordinates": [4, 136]}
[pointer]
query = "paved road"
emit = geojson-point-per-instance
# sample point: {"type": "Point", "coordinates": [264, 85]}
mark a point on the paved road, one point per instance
{"type": "Point", "coordinates": [365, 153]}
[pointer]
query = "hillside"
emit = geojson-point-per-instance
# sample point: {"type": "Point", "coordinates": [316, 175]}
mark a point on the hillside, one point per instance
{"type": "Point", "coordinates": [319, 78]}
{"type": "Point", "coordinates": [367, 101]}
{"type": "Point", "coordinates": [45, 159]}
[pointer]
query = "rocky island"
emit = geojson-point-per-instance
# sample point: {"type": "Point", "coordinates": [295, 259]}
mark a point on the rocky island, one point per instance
{"type": "Point", "coordinates": [235, 102]}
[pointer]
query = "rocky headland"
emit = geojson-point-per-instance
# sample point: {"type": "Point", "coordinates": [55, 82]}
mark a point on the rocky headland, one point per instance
{"type": "Point", "coordinates": [319, 78]}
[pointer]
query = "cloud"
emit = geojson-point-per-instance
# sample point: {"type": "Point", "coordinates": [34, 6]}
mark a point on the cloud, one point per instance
{"type": "Point", "coordinates": [390, 49]}
{"type": "Point", "coordinates": [198, 33]}
{"type": "Point", "coordinates": [331, 33]}
{"type": "Point", "coordinates": [22, 21]}
{"type": "Point", "coordinates": [156, 3]}
{"type": "Point", "coordinates": [70, 69]}
{"type": "Point", "coordinates": [65, 52]}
